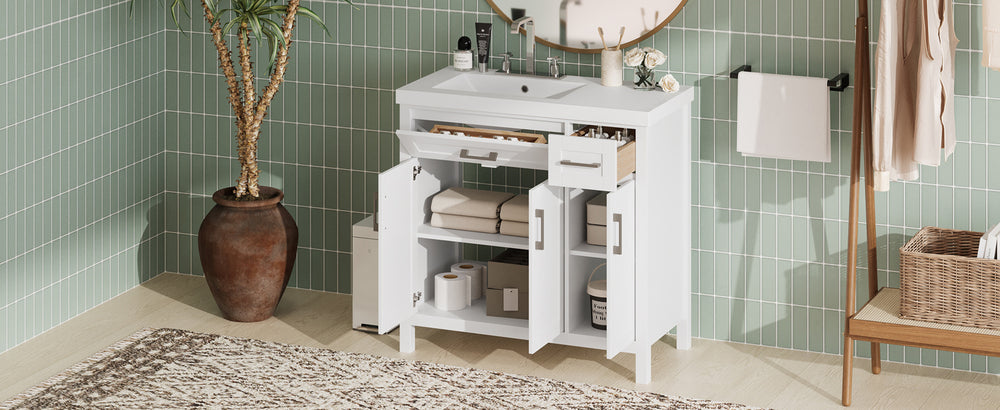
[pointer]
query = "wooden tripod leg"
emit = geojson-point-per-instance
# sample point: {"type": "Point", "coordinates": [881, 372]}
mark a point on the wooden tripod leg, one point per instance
{"type": "Point", "coordinates": [866, 122]}
{"type": "Point", "coordinates": [862, 71]}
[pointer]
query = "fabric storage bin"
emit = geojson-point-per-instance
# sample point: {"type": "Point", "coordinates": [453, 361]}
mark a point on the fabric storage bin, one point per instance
{"type": "Point", "coordinates": [942, 280]}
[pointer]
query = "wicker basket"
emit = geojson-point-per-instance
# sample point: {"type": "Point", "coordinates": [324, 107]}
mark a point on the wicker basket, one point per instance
{"type": "Point", "coordinates": [942, 280]}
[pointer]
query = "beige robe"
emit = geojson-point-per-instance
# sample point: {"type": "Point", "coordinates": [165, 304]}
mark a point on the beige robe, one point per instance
{"type": "Point", "coordinates": [914, 113]}
{"type": "Point", "coordinates": [991, 34]}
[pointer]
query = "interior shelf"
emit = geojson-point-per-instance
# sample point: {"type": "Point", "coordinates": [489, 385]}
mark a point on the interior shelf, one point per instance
{"type": "Point", "coordinates": [879, 321]}
{"type": "Point", "coordinates": [472, 319]}
{"type": "Point", "coordinates": [590, 251]}
{"type": "Point", "coordinates": [426, 231]}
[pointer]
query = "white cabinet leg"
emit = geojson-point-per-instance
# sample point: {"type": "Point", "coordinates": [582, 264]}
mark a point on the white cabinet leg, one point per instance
{"type": "Point", "coordinates": [407, 338]}
{"type": "Point", "coordinates": [644, 365]}
{"type": "Point", "coordinates": [684, 334]}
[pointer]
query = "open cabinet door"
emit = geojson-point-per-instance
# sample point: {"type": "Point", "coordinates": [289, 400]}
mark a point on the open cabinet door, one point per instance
{"type": "Point", "coordinates": [545, 261]}
{"type": "Point", "coordinates": [621, 268]}
{"type": "Point", "coordinates": [395, 225]}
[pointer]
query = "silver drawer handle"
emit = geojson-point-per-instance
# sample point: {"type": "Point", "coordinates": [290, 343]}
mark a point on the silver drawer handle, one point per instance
{"type": "Point", "coordinates": [617, 218]}
{"type": "Point", "coordinates": [569, 163]}
{"type": "Point", "coordinates": [464, 154]}
{"type": "Point", "coordinates": [540, 243]}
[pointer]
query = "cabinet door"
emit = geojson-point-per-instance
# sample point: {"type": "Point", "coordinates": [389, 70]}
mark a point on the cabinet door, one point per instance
{"type": "Point", "coordinates": [621, 268]}
{"type": "Point", "coordinates": [545, 263]}
{"type": "Point", "coordinates": [395, 259]}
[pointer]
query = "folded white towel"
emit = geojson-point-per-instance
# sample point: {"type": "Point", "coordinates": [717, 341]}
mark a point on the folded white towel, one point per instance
{"type": "Point", "coordinates": [783, 116]}
{"type": "Point", "coordinates": [465, 223]}
{"type": "Point", "coordinates": [469, 202]}
{"type": "Point", "coordinates": [991, 34]}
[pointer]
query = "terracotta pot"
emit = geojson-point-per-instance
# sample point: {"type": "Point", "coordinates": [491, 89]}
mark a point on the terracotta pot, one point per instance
{"type": "Point", "coordinates": [247, 251]}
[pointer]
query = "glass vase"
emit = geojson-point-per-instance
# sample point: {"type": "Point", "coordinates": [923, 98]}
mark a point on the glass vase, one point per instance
{"type": "Point", "coordinates": [644, 78]}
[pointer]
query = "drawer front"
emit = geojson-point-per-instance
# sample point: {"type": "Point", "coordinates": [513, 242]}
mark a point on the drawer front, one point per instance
{"type": "Point", "coordinates": [580, 162]}
{"type": "Point", "coordinates": [487, 152]}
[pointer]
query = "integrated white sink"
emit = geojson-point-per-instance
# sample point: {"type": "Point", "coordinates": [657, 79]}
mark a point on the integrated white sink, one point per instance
{"type": "Point", "coordinates": [508, 85]}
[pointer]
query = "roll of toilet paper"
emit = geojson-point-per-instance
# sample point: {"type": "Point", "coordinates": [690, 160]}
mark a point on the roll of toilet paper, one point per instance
{"type": "Point", "coordinates": [452, 291]}
{"type": "Point", "coordinates": [475, 272]}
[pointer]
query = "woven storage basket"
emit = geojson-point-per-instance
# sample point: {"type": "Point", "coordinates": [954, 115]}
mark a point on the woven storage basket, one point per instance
{"type": "Point", "coordinates": [942, 280]}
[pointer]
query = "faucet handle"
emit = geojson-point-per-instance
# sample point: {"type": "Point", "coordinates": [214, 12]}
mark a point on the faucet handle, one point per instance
{"type": "Point", "coordinates": [505, 64]}
{"type": "Point", "coordinates": [554, 67]}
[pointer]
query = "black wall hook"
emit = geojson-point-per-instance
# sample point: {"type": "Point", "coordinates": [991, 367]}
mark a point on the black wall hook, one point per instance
{"type": "Point", "coordinates": [742, 68]}
{"type": "Point", "coordinates": [843, 79]}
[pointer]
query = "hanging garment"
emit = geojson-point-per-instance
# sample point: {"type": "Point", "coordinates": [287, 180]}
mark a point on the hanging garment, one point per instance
{"type": "Point", "coordinates": [991, 34]}
{"type": "Point", "coordinates": [914, 115]}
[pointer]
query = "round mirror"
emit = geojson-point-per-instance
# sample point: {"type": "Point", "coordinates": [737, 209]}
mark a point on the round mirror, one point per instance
{"type": "Point", "coordinates": [571, 25]}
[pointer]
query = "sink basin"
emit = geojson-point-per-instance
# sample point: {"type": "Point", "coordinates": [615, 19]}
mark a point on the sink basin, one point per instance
{"type": "Point", "coordinates": [506, 85]}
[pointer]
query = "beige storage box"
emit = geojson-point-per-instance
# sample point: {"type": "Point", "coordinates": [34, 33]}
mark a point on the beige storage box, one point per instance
{"type": "Point", "coordinates": [597, 235]}
{"type": "Point", "coordinates": [597, 210]}
{"type": "Point", "coordinates": [507, 285]}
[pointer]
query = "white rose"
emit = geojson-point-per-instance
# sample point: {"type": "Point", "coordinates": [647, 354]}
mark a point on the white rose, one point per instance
{"type": "Point", "coordinates": [648, 49]}
{"type": "Point", "coordinates": [655, 58]}
{"type": "Point", "coordinates": [669, 84]}
{"type": "Point", "coordinates": [634, 57]}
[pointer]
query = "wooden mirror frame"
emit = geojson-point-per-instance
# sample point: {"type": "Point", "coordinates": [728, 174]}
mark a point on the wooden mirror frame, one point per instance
{"type": "Point", "coordinates": [556, 46]}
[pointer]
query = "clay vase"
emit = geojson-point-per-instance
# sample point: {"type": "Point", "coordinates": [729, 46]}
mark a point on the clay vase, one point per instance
{"type": "Point", "coordinates": [247, 251]}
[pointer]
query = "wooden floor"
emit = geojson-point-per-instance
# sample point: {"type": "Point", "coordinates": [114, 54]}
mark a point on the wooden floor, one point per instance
{"type": "Point", "coordinates": [752, 375]}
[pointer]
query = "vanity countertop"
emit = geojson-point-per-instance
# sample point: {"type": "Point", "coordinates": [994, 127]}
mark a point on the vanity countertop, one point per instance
{"type": "Point", "coordinates": [585, 99]}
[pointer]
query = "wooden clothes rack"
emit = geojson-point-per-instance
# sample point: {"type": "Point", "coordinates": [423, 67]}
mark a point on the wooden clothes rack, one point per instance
{"type": "Point", "coordinates": [878, 321]}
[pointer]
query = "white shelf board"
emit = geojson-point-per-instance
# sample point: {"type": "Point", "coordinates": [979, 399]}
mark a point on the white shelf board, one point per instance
{"type": "Point", "coordinates": [590, 251]}
{"type": "Point", "coordinates": [472, 319]}
{"type": "Point", "coordinates": [426, 231]}
{"type": "Point", "coordinates": [584, 335]}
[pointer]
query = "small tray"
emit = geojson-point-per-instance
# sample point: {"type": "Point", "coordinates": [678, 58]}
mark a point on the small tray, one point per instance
{"type": "Point", "coordinates": [489, 134]}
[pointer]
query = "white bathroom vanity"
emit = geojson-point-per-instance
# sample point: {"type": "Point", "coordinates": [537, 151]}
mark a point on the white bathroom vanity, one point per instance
{"type": "Point", "coordinates": [648, 252]}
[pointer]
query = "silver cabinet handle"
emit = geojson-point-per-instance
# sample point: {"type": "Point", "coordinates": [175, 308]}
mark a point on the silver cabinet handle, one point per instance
{"type": "Point", "coordinates": [617, 218]}
{"type": "Point", "coordinates": [540, 243]}
{"type": "Point", "coordinates": [464, 154]}
{"type": "Point", "coordinates": [569, 163]}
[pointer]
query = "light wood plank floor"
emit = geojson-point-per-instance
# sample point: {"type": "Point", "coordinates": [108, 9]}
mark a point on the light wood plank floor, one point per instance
{"type": "Point", "coordinates": [753, 375]}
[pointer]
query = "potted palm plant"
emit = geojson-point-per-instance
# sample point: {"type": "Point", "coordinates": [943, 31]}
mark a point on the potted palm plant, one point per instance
{"type": "Point", "coordinates": [248, 241]}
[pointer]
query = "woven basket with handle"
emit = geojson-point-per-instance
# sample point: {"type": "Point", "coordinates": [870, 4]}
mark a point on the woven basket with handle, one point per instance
{"type": "Point", "coordinates": [942, 280]}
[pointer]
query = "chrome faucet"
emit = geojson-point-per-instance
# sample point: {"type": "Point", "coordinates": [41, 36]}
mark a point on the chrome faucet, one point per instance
{"type": "Point", "coordinates": [529, 29]}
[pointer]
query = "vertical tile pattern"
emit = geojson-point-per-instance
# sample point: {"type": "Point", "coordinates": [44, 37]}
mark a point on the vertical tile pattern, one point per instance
{"type": "Point", "coordinates": [81, 164]}
{"type": "Point", "coordinates": [769, 235]}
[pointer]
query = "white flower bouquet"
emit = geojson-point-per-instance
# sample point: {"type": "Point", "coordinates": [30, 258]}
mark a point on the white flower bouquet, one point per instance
{"type": "Point", "coordinates": [644, 59]}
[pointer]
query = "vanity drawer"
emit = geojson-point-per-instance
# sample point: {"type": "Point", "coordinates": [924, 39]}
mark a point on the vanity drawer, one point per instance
{"type": "Point", "coordinates": [487, 152]}
{"type": "Point", "coordinates": [589, 163]}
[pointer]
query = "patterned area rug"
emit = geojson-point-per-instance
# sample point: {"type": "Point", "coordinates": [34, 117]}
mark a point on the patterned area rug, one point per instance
{"type": "Point", "coordinates": [169, 368]}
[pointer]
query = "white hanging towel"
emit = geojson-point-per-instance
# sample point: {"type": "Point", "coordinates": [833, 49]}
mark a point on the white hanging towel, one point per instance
{"type": "Point", "coordinates": [991, 34]}
{"type": "Point", "coordinates": [783, 117]}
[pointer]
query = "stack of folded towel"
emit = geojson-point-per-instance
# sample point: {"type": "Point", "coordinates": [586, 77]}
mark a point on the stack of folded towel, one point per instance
{"type": "Point", "coordinates": [468, 209]}
{"type": "Point", "coordinates": [514, 216]}
{"type": "Point", "coordinates": [480, 211]}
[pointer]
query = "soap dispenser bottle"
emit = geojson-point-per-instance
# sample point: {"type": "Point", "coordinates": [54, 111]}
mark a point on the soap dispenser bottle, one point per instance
{"type": "Point", "coordinates": [463, 56]}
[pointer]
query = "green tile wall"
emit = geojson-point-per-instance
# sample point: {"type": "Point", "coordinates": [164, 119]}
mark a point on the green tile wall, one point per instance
{"type": "Point", "coordinates": [769, 236]}
{"type": "Point", "coordinates": [81, 159]}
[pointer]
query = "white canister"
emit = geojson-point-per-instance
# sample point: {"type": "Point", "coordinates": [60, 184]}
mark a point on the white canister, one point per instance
{"type": "Point", "coordinates": [611, 68]}
{"type": "Point", "coordinates": [598, 291]}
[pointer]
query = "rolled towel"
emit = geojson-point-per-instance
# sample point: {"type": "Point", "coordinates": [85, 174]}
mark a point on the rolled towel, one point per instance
{"type": "Point", "coordinates": [514, 228]}
{"type": "Point", "coordinates": [515, 210]}
{"type": "Point", "coordinates": [469, 202]}
{"type": "Point", "coordinates": [465, 223]}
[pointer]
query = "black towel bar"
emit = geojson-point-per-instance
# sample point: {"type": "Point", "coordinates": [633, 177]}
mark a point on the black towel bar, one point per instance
{"type": "Point", "coordinates": [838, 83]}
